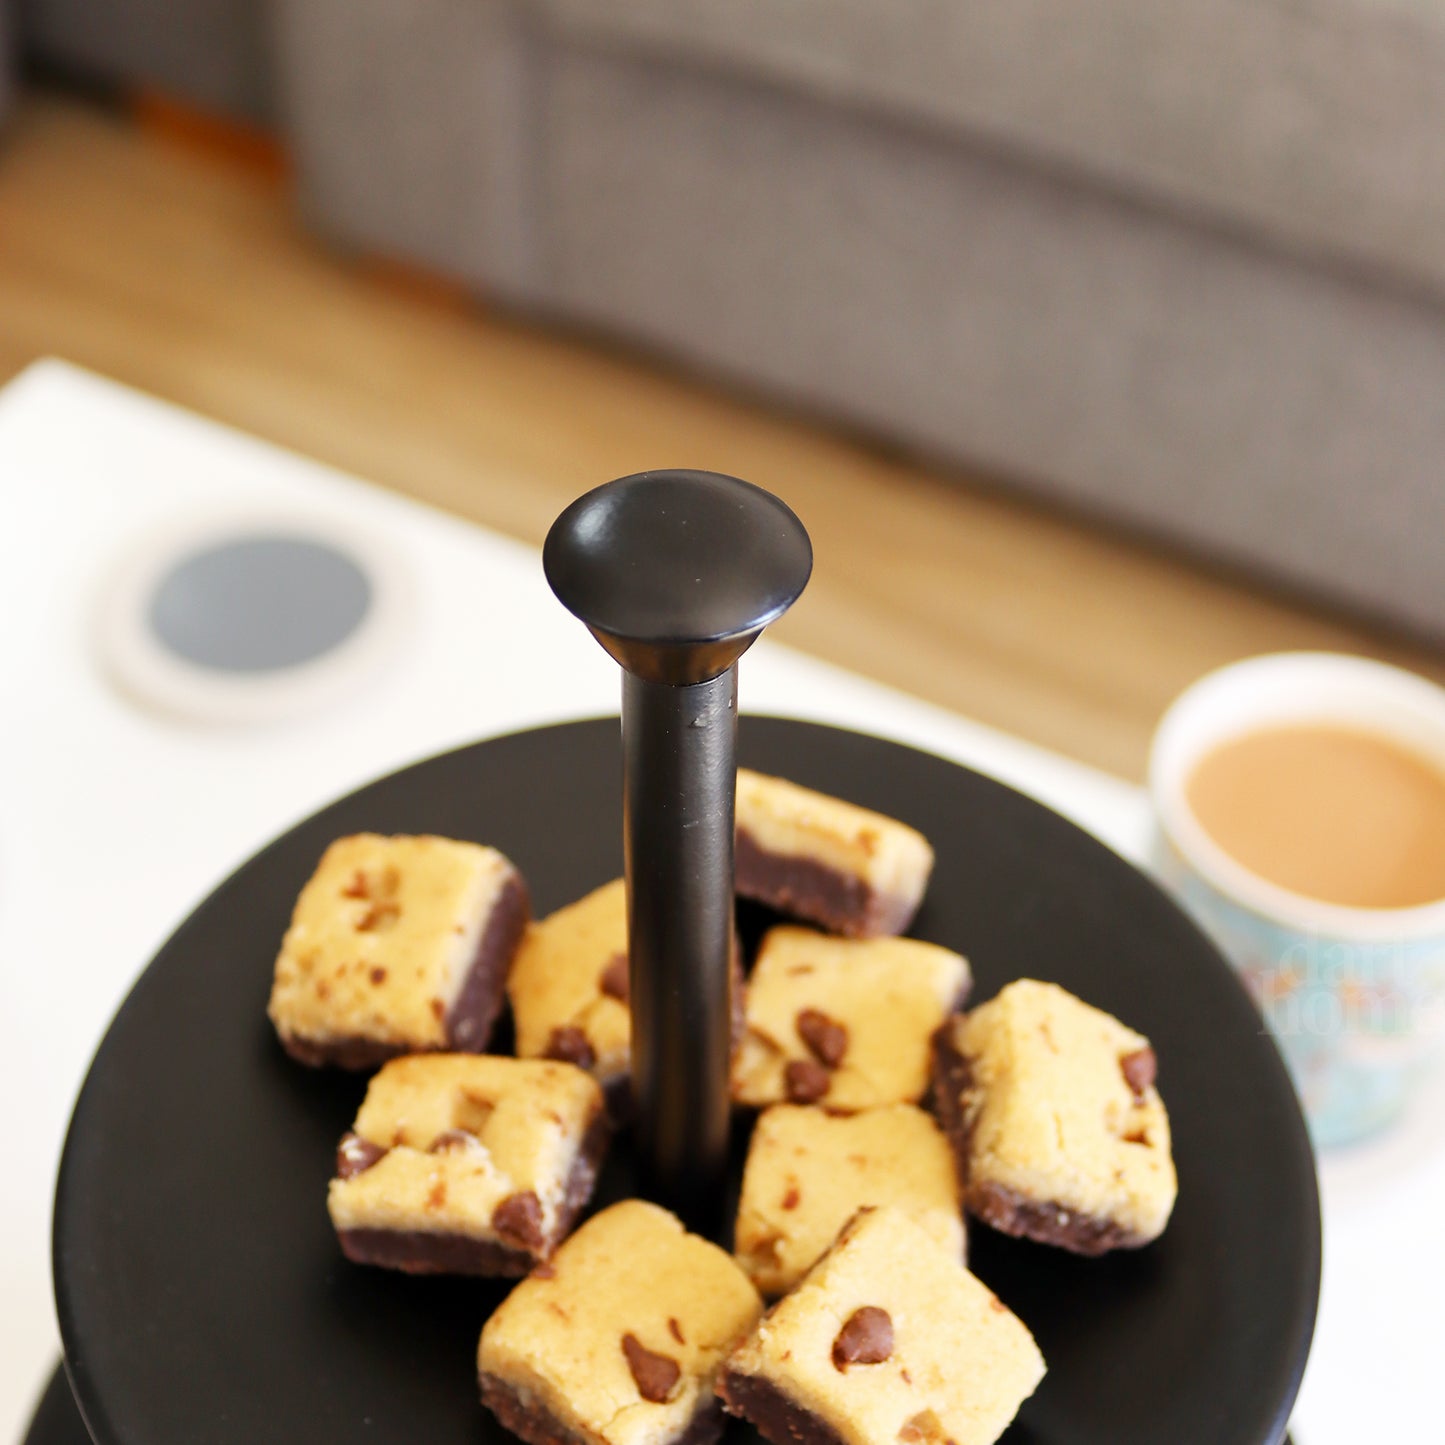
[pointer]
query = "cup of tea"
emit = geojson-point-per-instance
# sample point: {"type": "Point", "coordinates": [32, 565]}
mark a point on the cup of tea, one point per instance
{"type": "Point", "coordinates": [1299, 804]}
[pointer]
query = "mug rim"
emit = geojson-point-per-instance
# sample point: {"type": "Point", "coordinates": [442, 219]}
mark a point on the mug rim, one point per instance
{"type": "Point", "coordinates": [1243, 697]}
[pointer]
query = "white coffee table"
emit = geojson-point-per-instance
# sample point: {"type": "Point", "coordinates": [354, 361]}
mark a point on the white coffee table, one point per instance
{"type": "Point", "coordinates": [114, 820]}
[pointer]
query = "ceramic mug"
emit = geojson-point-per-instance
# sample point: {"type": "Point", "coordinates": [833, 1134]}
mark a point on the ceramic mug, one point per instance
{"type": "Point", "coordinates": [1355, 997]}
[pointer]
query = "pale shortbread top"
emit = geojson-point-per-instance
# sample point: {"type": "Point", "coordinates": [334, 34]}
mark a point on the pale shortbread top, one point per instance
{"type": "Point", "coordinates": [556, 979]}
{"type": "Point", "coordinates": [382, 937]}
{"type": "Point", "coordinates": [527, 1119]}
{"type": "Point", "coordinates": [961, 1363]}
{"type": "Point", "coordinates": [1053, 1117]}
{"type": "Point", "coordinates": [890, 994]}
{"type": "Point", "coordinates": [630, 1270]}
{"type": "Point", "coordinates": [781, 817]}
{"type": "Point", "coordinates": [808, 1173]}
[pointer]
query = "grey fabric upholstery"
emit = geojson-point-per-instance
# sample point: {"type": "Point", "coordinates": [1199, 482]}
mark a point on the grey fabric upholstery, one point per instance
{"type": "Point", "coordinates": [7, 61]}
{"type": "Point", "coordinates": [215, 53]}
{"type": "Point", "coordinates": [756, 189]}
{"type": "Point", "coordinates": [415, 131]}
{"type": "Point", "coordinates": [1318, 123]}
{"type": "Point", "coordinates": [1282, 416]}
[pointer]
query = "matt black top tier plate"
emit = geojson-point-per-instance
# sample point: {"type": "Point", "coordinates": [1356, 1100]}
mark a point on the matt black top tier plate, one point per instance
{"type": "Point", "coordinates": [202, 1296]}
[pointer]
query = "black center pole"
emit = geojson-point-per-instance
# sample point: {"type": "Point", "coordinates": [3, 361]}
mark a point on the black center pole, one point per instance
{"type": "Point", "coordinates": [676, 573]}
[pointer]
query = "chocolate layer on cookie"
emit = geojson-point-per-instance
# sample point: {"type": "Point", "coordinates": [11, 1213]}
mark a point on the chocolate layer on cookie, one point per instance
{"type": "Point", "coordinates": [521, 1415]}
{"type": "Point", "coordinates": [887, 1338]}
{"type": "Point", "coordinates": [1058, 1131]}
{"type": "Point", "coordinates": [847, 869]}
{"type": "Point", "coordinates": [467, 1164]}
{"type": "Point", "coordinates": [775, 1414]}
{"type": "Point", "coordinates": [845, 1023]}
{"type": "Point", "coordinates": [619, 1340]}
{"type": "Point", "coordinates": [397, 945]}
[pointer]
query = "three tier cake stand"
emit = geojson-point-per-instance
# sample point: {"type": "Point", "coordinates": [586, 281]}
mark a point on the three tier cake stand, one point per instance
{"type": "Point", "coordinates": [200, 1291]}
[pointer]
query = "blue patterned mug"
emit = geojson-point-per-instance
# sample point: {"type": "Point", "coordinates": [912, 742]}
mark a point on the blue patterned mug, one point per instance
{"type": "Point", "coordinates": [1355, 997]}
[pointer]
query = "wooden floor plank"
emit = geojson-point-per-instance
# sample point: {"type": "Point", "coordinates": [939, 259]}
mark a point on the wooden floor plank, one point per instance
{"type": "Point", "coordinates": [126, 249]}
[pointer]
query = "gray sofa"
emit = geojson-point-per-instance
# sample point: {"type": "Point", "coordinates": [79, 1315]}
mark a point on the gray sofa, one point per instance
{"type": "Point", "coordinates": [1182, 266]}
{"type": "Point", "coordinates": [213, 53]}
{"type": "Point", "coordinates": [7, 77]}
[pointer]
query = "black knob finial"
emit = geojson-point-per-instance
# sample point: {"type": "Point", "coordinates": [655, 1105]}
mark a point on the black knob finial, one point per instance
{"type": "Point", "coordinates": [676, 573]}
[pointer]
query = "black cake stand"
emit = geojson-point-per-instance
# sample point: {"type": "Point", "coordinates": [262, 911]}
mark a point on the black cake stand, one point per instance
{"type": "Point", "coordinates": [200, 1291]}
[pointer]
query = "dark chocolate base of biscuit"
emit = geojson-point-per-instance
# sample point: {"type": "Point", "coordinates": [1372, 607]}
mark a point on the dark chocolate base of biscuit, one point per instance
{"type": "Point", "coordinates": [949, 1081]}
{"type": "Point", "coordinates": [1010, 1212]}
{"type": "Point", "coordinates": [473, 1012]}
{"type": "Point", "coordinates": [838, 902]}
{"type": "Point", "coordinates": [1006, 1210]}
{"type": "Point", "coordinates": [419, 1251]}
{"type": "Point", "coordinates": [617, 1093]}
{"type": "Point", "coordinates": [353, 1053]}
{"type": "Point", "coordinates": [531, 1421]}
{"type": "Point", "coordinates": [479, 999]}
{"type": "Point", "coordinates": [776, 1417]}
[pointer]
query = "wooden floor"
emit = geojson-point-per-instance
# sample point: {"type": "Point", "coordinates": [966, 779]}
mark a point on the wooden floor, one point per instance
{"type": "Point", "coordinates": [183, 270]}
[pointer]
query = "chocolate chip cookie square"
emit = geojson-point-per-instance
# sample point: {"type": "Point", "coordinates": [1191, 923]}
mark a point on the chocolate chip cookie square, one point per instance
{"type": "Point", "coordinates": [887, 1338]}
{"type": "Point", "coordinates": [568, 988]}
{"type": "Point", "coordinates": [808, 1172]}
{"type": "Point", "coordinates": [845, 1023]}
{"type": "Point", "coordinates": [1059, 1131]}
{"type": "Point", "coordinates": [467, 1164]}
{"type": "Point", "coordinates": [619, 1340]}
{"type": "Point", "coordinates": [849, 870]}
{"type": "Point", "coordinates": [397, 945]}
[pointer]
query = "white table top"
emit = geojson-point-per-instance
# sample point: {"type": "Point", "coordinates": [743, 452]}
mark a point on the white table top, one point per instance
{"type": "Point", "coordinates": [153, 812]}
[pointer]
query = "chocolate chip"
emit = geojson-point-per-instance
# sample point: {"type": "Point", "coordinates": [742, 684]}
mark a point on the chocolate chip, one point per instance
{"type": "Point", "coordinates": [923, 1427]}
{"type": "Point", "coordinates": [518, 1221]}
{"type": "Point", "coordinates": [571, 1046]}
{"type": "Point", "coordinates": [452, 1141]}
{"type": "Point", "coordinates": [655, 1374]}
{"type": "Point", "coordinates": [825, 1037]}
{"type": "Point", "coordinates": [378, 976]}
{"type": "Point", "coordinates": [379, 915]}
{"type": "Point", "coordinates": [675, 1329]}
{"type": "Point", "coordinates": [805, 1081]}
{"type": "Point", "coordinates": [792, 1198]}
{"type": "Point", "coordinates": [865, 1339]}
{"type": "Point", "coordinates": [355, 1155]}
{"type": "Point", "coordinates": [1140, 1070]}
{"type": "Point", "coordinates": [615, 981]}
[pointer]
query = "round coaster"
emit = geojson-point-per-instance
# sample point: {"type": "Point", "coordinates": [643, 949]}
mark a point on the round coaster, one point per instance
{"type": "Point", "coordinates": [248, 618]}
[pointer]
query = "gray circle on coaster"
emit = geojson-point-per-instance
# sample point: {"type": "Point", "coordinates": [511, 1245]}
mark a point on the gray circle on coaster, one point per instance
{"type": "Point", "coordinates": [259, 603]}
